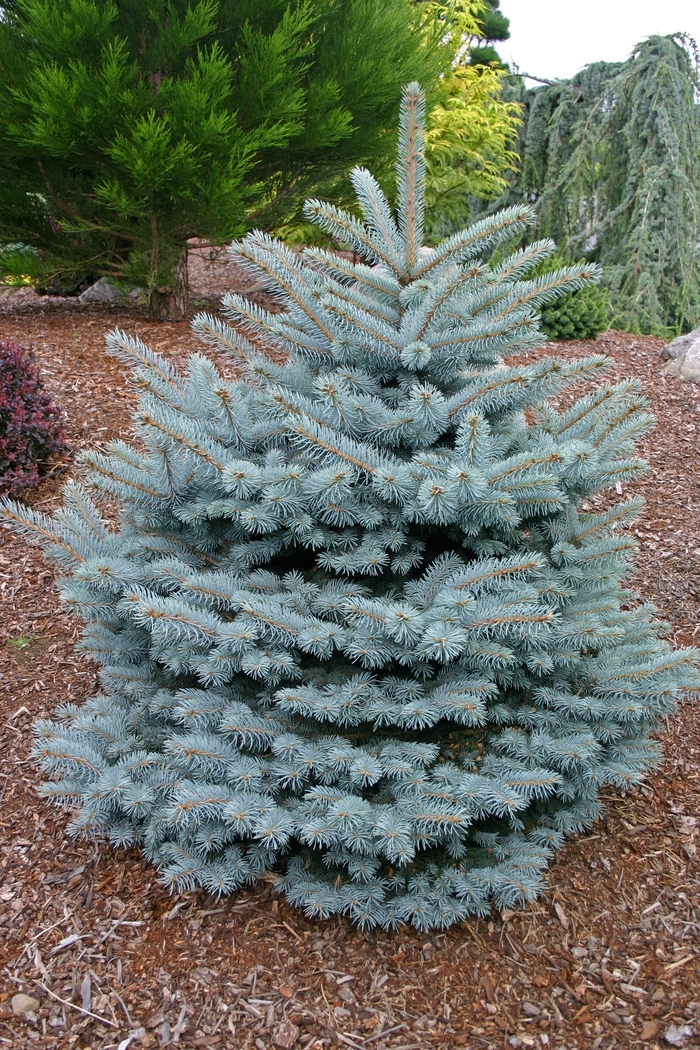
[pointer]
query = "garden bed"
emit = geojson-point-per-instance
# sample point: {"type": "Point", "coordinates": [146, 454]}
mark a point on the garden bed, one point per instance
{"type": "Point", "coordinates": [610, 956]}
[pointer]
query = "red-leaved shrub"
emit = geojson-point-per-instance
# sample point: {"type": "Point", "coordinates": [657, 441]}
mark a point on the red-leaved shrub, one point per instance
{"type": "Point", "coordinates": [31, 426]}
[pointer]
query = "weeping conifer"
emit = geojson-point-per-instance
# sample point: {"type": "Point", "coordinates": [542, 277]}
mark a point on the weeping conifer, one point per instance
{"type": "Point", "coordinates": [611, 160]}
{"type": "Point", "coordinates": [355, 626]}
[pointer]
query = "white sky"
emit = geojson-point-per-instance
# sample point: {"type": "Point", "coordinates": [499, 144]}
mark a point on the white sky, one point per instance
{"type": "Point", "coordinates": [555, 38]}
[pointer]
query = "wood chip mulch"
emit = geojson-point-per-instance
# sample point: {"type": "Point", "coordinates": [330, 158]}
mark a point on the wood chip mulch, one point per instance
{"type": "Point", "coordinates": [608, 957]}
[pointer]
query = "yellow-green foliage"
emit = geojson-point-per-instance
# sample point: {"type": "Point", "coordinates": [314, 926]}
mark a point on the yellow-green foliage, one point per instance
{"type": "Point", "coordinates": [471, 127]}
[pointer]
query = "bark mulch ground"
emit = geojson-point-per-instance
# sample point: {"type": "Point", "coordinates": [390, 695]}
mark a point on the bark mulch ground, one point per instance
{"type": "Point", "coordinates": [608, 957]}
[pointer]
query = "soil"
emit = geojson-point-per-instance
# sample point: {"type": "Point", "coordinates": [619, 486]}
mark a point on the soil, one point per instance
{"type": "Point", "coordinates": [608, 957]}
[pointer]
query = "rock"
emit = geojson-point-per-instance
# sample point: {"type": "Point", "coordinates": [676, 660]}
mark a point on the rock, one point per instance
{"type": "Point", "coordinates": [678, 1036]}
{"type": "Point", "coordinates": [686, 364]}
{"type": "Point", "coordinates": [263, 285]}
{"type": "Point", "coordinates": [103, 291]}
{"type": "Point", "coordinates": [679, 346]}
{"type": "Point", "coordinates": [285, 1035]}
{"type": "Point", "coordinates": [649, 1031]}
{"type": "Point", "coordinates": [23, 1005]}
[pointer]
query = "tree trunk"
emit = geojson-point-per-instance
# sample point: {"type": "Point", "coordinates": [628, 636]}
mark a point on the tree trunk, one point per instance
{"type": "Point", "coordinates": [172, 301]}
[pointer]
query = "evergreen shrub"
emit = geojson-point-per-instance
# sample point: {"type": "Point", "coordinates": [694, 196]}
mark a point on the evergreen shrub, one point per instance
{"type": "Point", "coordinates": [356, 627]}
{"type": "Point", "coordinates": [577, 315]}
{"type": "Point", "coordinates": [31, 426]}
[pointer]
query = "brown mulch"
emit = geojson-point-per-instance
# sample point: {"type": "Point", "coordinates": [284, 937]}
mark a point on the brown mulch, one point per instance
{"type": "Point", "coordinates": [609, 957]}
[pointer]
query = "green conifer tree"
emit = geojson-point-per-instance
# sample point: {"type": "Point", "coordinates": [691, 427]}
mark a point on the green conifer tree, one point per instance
{"type": "Point", "coordinates": [129, 127]}
{"type": "Point", "coordinates": [611, 161]}
{"type": "Point", "coordinates": [355, 626]}
{"type": "Point", "coordinates": [493, 27]}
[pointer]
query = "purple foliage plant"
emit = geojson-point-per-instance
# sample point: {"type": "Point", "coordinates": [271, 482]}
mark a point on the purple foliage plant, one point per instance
{"type": "Point", "coordinates": [31, 425]}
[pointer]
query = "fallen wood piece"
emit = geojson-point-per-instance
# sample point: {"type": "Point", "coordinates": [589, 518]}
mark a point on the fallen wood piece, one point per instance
{"type": "Point", "coordinates": [73, 1006]}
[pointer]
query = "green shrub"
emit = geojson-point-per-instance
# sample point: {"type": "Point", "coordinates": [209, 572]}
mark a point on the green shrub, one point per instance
{"type": "Point", "coordinates": [583, 314]}
{"type": "Point", "coordinates": [19, 264]}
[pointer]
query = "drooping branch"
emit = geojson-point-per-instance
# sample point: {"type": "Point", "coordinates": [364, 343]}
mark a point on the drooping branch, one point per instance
{"type": "Point", "coordinates": [612, 160]}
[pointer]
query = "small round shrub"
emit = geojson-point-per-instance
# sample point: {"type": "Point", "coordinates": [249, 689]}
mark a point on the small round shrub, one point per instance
{"type": "Point", "coordinates": [583, 314]}
{"type": "Point", "coordinates": [31, 426]}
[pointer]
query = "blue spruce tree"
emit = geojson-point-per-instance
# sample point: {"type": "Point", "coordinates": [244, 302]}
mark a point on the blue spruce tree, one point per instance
{"type": "Point", "coordinates": [355, 626]}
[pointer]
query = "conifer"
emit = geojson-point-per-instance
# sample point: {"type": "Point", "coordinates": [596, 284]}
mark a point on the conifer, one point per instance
{"type": "Point", "coordinates": [357, 626]}
{"type": "Point", "coordinates": [611, 161]}
{"type": "Point", "coordinates": [129, 128]}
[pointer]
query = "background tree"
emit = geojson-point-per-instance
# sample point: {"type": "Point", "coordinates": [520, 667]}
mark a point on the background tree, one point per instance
{"type": "Point", "coordinates": [129, 126]}
{"type": "Point", "coordinates": [493, 26]}
{"type": "Point", "coordinates": [611, 159]}
{"type": "Point", "coordinates": [471, 127]}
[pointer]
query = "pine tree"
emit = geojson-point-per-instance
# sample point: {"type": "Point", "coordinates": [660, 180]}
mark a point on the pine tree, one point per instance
{"type": "Point", "coordinates": [129, 128]}
{"type": "Point", "coordinates": [493, 27]}
{"type": "Point", "coordinates": [494, 24]}
{"type": "Point", "coordinates": [356, 627]}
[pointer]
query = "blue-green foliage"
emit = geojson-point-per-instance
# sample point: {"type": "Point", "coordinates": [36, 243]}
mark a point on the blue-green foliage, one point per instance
{"type": "Point", "coordinates": [355, 626]}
